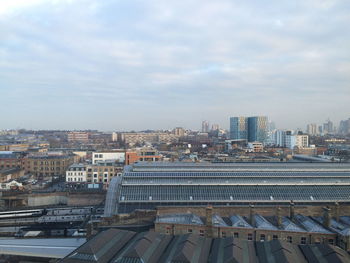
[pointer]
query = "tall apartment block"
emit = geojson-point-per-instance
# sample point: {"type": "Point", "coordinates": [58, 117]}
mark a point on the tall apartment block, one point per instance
{"type": "Point", "coordinates": [238, 128]}
{"type": "Point", "coordinates": [250, 128]}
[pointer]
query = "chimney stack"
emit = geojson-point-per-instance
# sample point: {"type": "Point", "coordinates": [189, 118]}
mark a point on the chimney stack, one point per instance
{"type": "Point", "coordinates": [209, 220]}
{"type": "Point", "coordinates": [291, 210]}
{"type": "Point", "coordinates": [279, 217]}
{"type": "Point", "coordinates": [326, 217]}
{"type": "Point", "coordinates": [251, 215]}
{"type": "Point", "coordinates": [337, 208]}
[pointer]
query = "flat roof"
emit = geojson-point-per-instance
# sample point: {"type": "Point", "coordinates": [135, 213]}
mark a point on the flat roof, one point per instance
{"type": "Point", "coordinates": [40, 247]}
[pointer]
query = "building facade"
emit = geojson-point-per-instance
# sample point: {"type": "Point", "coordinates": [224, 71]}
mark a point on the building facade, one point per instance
{"type": "Point", "coordinates": [143, 155]}
{"type": "Point", "coordinates": [48, 164]}
{"type": "Point", "coordinates": [257, 129]}
{"type": "Point", "coordinates": [238, 128]}
{"type": "Point", "coordinates": [76, 173]}
{"type": "Point", "coordinates": [133, 138]}
{"type": "Point", "coordinates": [253, 129]}
{"type": "Point", "coordinates": [78, 136]}
{"type": "Point", "coordinates": [116, 156]}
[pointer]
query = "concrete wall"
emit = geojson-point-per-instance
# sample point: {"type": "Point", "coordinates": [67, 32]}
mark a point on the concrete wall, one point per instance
{"type": "Point", "coordinates": [43, 200]}
{"type": "Point", "coordinates": [86, 199]}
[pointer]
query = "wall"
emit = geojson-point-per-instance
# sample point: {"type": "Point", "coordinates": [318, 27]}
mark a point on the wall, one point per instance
{"type": "Point", "coordinates": [225, 211]}
{"type": "Point", "coordinates": [43, 200]}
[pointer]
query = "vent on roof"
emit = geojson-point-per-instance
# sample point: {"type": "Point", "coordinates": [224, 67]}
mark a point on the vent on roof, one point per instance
{"type": "Point", "coordinates": [311, 197]}
{"type": "Point", "coordinates": [191, 198]}
{"type": "Point", "coordinates": [231, 197]}
{"type": "Point", "coordinates": [150, 198]}
{"type": "Point", "coordinates": [271, 197]}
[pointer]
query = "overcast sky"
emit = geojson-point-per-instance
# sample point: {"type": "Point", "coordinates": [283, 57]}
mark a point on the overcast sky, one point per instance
{"type": "Point", "coordinates": [152, 64]}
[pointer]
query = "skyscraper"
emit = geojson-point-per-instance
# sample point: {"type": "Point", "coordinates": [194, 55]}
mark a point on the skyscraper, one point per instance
{"type": "Point", "coordinates": [257, 129]}
{"type": "Point", "coordinates": [311, 129]}
{"type": "Point", "coordinates": [205, 126]}
{"type": "Point", "coordinates": [238, 128]}
{"type": "Point", "coordinates": [250, 128]}
{"type": "Point", "coordinates": [328, 127]}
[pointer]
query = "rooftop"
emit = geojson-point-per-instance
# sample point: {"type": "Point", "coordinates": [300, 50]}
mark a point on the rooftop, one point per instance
{"type": "Point", "coordinates": [121, 246]}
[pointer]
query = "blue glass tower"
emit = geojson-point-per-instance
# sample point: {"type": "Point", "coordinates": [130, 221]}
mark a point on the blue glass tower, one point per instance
{"type": "Point", "coordinates": [238, 128]}
{"type": "Point", "coordinates": [257, 129]}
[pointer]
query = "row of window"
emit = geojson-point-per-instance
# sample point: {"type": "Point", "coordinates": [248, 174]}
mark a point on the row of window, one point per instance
{"type": "Point", "coordinates": [46, 162]}
{"type": "Point", "coordinates": [46, 168]}
{"type": "Point", "coordinates": [69, 179]}
{"type": "Point", "coordinates": [75, 174]}
{"type": "Point", "coordinates": [262, 238]}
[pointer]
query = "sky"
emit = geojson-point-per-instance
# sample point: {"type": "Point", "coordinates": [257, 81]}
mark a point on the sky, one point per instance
{"type": "Point", "coordinates": [152, 64]}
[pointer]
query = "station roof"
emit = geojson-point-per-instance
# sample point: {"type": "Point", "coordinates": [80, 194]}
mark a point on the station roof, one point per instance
{"type": "Point", "coordinates": [40, 247]}
{"type": "Point", "coordinates": [120, 246]}
{"type": "Point", "coordinates": [188, 219]}
{"type": "Point", "coordinates": [229, 193]}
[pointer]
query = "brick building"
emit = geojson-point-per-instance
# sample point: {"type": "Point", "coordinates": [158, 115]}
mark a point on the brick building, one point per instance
{"type": "Point", "coordinates": [48, 164]}
{"type": "Point", "coordinates": [142, 154]}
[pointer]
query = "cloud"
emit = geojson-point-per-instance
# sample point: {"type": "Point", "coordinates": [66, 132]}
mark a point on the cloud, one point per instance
{"type": "Point", "coordinates": [193, 59]}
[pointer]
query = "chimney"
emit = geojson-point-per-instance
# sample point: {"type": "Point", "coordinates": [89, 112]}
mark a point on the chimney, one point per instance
{"type": "Point", "coordinates": [209, 220]}
{"type": "Point", "coordinates": [337, 208]}
{"type": "Point", "coordinates": [251, 215]}
{"type": "Point", "coordinates": [326, 217]}
{"type": "Point", "coordinates": [279, 217]}
{"type": "Point", "coordinates": [291, 210]}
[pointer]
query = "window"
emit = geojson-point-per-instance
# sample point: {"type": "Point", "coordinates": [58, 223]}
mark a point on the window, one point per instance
{"type": "Point", "coordinates": [331, 241]}
{"type": "Point", "coordinates": [201, 232]}
{"type": "Point", "coordinates": [289, 239]}
{"type": "Point", "coordinates": [236, 235]}
{"type": "Point", "coordinates": [250, 236]}
{"type": "Point", "coordinates": [262, 237]}
{"type": "Point", "coordinates": [274, 237]}
{"type": "Point", "coordinates": [189, 230]}
{"type": "Point", "coordinates": [303, 240]}
{"type": "Point", "coordinates": [223, 234]}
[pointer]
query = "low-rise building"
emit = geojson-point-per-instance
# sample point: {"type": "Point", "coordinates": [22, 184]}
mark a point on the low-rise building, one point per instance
{"type": "Point", "coordinates": [78, 136]}
{"type": "Point", "coordinates": [76, 173]}
{"type": "Point", "coordinates": [48, 164]}
{"type": "Point", "coordinates": [9, 159]}
{"type": "Point", "coordinates": [146, 154]}
{"type": "Point", "coordinates": [110, 156]}
{"type": "Point", "coordinates": [255, 147]}
{"type": "Point", "coordinates": [8, 174]}
{"type": "Point", "coordinates": [103, 172]}
{"type": "Point", "coordinates": [298, 229]}
{"type": "Point", "coordinates": [133, 138]}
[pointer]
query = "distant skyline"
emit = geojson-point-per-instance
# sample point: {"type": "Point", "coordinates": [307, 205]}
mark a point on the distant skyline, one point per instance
{"type": "Point", "coordinates": [137, 65]}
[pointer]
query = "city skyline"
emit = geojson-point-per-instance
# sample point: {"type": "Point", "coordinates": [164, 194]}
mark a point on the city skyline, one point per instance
{"type": "Point", "coordinates": [86, 64]}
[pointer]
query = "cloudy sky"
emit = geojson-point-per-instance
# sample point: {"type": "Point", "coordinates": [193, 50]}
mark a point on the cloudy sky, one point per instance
{"type": "Point", "coordinates": [152, 64]}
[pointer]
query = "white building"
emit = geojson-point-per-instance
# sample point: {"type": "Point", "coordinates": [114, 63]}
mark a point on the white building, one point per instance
{"type": "Point", "coordinates": [298, 140]}
{"type": "Point", "coordinates": [76, 173]}
{"type": "Point", "coordinates": [118, 157]}
{"type": "Point", "coordinates": [302, 140]}
{"type": "Point", "coordinates": [255, 147]}
{"type": "Point", "coordinates": [311, 129]}
{"type": "Point", "coordinates": [278, 138]}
